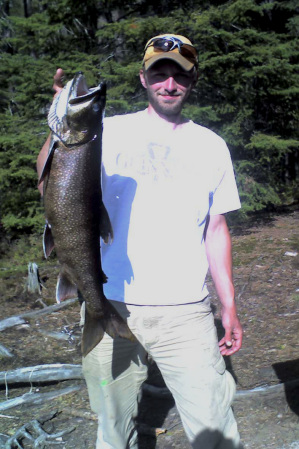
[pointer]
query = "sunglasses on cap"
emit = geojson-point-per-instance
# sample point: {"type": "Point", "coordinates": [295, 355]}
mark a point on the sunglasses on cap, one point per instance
{"type": "Point", "coordinates": [166, 44]}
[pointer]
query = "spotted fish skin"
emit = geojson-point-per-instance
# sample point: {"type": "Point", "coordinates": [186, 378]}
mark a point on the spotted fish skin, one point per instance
{"type": "Point", "coordinates": [75, 214]}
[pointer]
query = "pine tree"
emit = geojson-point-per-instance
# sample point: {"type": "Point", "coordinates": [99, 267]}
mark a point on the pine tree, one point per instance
{"type": "Point", "coordinates": [247, 89]}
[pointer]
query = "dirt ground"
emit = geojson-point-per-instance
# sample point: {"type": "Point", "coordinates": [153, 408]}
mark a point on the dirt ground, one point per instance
{"type": "Point", "coordinates": [266, 272]}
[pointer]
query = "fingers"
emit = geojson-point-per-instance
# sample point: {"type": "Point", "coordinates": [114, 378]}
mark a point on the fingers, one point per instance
{"type": "Point", "coordinates": [231, 342]}
{"type": "Point", "coordinates": [58, 81]}
{"type": "Point", "coordinates": [228, 348]}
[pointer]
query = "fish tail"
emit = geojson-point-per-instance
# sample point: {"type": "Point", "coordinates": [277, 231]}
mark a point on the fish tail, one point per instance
{"type": "Point", "coordinates": [93, 332]}
{"type": "Point", "coordinates": [111, 323]}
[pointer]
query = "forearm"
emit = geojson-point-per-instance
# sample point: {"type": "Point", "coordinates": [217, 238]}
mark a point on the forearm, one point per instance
{"type": "Point", "coordinates": [219, 254]}
{"type": "Point", "coordinates": [41, 159]}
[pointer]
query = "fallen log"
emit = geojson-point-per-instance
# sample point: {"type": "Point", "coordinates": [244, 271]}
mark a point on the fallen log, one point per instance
{"type": "Point", "coordinates": [37, 398]}
{"type": "Point", "coordinates": [21, 319]}
{"type": "Point", "coordinates": [267, 390]}
{"type": "Point", "coordinates": [41, 373]}
{"type": "Point", "coordinates": [11, 322]}
{"type": "Point", "coordinates": [59, 372]}
{"type": "Point", "coordinates": [163, 392]}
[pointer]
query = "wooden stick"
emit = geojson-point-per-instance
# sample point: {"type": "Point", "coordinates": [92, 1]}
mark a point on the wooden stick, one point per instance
{"type": "Point", "coordinates": [21, 319]}
{"type": "Point", "coordinates": [37, 398]}
{"type": "Point", "coordinates": [41, 373]}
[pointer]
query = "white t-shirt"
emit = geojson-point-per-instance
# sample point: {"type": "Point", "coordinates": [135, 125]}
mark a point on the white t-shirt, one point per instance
{"type": "Point", "coordinates": [159, 185]}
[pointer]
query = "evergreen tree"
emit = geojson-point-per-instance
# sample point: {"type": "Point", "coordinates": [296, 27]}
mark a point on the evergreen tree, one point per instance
{"type": "Point", "coordinates": [247, 89]}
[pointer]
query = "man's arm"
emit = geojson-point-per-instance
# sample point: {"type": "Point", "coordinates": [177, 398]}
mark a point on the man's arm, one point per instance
{"type": "Point", "coordinates": [219, 253]}
{"type": "Point", "coordinates": [41, 159]}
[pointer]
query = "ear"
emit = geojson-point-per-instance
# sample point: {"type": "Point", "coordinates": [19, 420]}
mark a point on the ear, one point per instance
{"type": "Point", "coordinates": [142, 78]}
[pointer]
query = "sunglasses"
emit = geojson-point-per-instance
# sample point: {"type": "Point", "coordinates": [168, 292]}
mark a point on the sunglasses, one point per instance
{"type": "Point", "coordinates": [166, 44]}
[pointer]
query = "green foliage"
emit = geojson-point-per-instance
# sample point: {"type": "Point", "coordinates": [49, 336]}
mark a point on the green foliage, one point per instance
{"type": "Point", "coordinates": [247, 89]}
{"type": "Point", "coordinates": [16, 253]}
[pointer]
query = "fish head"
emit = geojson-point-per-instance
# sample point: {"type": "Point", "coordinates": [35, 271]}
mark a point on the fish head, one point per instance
{"type": "Point", "coordinates": [77, 112]}
{"type": "Point", "coordinates": [85, 106]}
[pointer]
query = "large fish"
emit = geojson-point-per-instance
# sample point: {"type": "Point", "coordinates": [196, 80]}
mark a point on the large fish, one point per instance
{"type": "Point", "coordinates": [76, 216]}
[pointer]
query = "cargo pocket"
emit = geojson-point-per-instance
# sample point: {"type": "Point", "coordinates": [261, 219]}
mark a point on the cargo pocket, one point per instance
{"type": "Point", "coordinates": [226, 385]}
{"type": "Point", "coordinates": [220, 365]}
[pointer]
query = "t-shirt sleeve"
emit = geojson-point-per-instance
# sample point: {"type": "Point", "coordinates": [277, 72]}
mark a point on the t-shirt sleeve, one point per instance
{"type": "Point", "coordinates": [225, 196]}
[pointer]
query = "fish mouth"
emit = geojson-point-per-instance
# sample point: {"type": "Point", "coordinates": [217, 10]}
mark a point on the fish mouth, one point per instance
{"type": "Point", "coordinates": [80, 93]}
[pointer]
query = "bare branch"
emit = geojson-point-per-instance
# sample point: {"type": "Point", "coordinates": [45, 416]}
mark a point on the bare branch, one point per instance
{"type": "Point", "coordinates": [21, 319]}
{"type": "Point", "coordinates": [34, 432]}
{"type": "Point", "coordinates": [37, 398]}
{"type": "Point", "coordinates": [41, 373]}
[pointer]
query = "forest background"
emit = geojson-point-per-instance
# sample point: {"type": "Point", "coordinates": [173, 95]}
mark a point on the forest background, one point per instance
{"type": "Point", "coordinates": [247, 90]}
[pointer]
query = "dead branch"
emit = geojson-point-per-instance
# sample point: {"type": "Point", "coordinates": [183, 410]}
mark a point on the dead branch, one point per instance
{"type": "Point", "coordinates": [11, 322]}
{"type": "Point", "coordinates": [37, 398]}
{"type": "Point", "coordinates": [34, 432]}
{"type": "Point", "coordinates": [21, 319]}
{"type": "Point", "coordinates": [4, 352]}
{"type": "Point", "coordinates": [55, 335]}
{"type": "Point", "coordinates": [41, 373]}
{"type": "Point", "coordinates": [80, 413]}
{"type": "Point", "coordinates": [268, 390]}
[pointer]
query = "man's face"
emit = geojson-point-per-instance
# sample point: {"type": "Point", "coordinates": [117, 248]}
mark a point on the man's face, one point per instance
{"type": "Point", "coordinates": [168, 87]}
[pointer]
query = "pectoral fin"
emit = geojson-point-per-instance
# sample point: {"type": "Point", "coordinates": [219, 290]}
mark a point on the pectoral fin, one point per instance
{"type": "Point", "coordinates": [48, 241]}
{"type": "Point", "coordinates": [65, 288]}
{"type": "Point", "coordinates": [106, 230]}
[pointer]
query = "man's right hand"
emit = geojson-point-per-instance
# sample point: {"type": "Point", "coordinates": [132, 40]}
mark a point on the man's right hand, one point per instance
{"type": "Point", "coordinates": [58, 81]}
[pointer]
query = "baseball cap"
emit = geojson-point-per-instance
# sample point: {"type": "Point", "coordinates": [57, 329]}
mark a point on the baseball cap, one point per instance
{"type": "Point", "coordinates": [173, 47]}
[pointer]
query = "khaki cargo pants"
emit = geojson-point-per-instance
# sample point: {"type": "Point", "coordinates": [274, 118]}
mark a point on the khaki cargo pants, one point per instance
{"type": "Point", "coordinates": [182, 340]}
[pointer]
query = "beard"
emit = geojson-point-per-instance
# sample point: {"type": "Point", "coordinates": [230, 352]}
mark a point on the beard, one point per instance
{"type": "Point", "coordinates": [167, 108]}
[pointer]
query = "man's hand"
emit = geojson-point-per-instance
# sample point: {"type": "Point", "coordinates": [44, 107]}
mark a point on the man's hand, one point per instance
{"type": "Point", "coordinates": [232, 340]}
{"type": "Point", "coordinates": [58, 81]}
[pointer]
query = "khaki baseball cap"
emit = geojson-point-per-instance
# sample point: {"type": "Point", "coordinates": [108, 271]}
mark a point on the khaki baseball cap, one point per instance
{"type": "Point", "coordinates": [173, 47]}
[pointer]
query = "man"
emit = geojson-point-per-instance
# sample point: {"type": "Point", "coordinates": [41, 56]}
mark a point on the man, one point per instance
{"type": "Point", "coordinates": [166, 184]}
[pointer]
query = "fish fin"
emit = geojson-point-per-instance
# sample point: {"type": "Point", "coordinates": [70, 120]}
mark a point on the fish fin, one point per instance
{"type": "Point", "coordinates": [48, 241]}
{"type": "Point", "coordinates": [47, 166]}
{"type": "Point", "coordinates": [65, 288]}
{"type": "Point", "coordinates": [104, 278]}
{"type": "Point", "coordinates": [114, 324]}
{"type": "Point", "coordinates": [93, 332]}
{"type": "Point", "coordinates": [111, 323]}
{"type": "Point", "coordinates": [106, 230]}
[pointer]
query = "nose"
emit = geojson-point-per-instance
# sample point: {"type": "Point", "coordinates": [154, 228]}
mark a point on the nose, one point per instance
{"type": "Point", "coordinates": [170, 84]}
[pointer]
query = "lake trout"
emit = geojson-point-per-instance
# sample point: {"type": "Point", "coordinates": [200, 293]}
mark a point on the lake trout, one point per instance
{"type": "Point", "coordinates": [76, 217]}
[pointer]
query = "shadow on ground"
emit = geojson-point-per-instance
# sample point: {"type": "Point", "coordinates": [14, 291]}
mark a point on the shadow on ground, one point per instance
{"type": "Point", "coordinates": [288, 373]}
